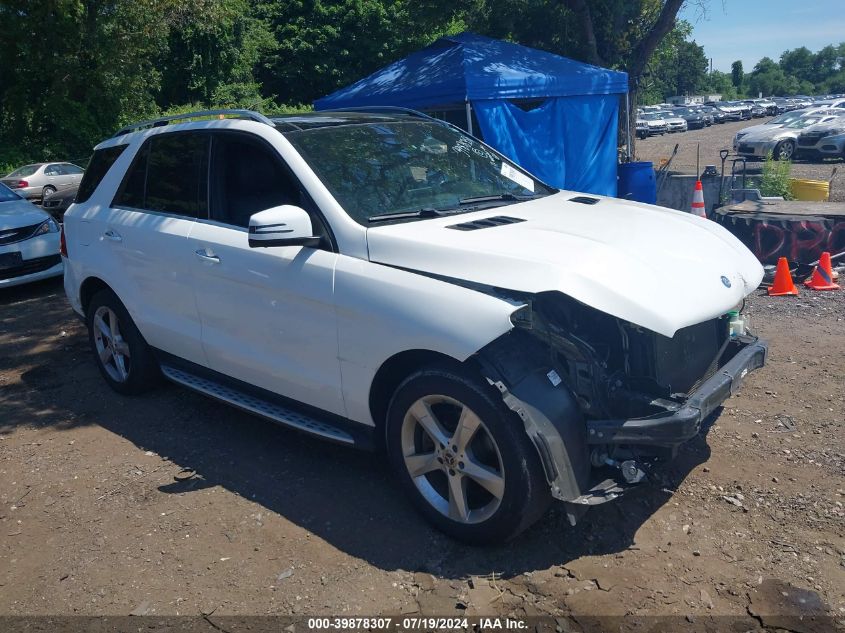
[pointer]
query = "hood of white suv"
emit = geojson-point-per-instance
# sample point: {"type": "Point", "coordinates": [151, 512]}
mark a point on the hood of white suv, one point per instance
{"type": "Point", "coordinates": [18, 213]}
{"type": "Point", "coordinates": [655, 267]}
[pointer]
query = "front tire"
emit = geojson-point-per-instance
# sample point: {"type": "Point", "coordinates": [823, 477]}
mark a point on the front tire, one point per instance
{"type": "Point", "coordinates": [463, 457]}
{"type": "Point", "coordinates": [123, 357]}
{"type": "Point", "coordinates": [785, 150]}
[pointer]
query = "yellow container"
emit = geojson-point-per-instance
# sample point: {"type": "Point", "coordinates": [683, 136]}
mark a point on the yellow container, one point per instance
{"type": "Point", "coordinates": [810, 190]}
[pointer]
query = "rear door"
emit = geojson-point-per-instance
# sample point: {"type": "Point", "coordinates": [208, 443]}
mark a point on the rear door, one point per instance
{"type": "Point", "coordinates": [53, 176]}
{"type": "Point", "coordinates": [268, 315]}
{"type": "Point", "coordinates": [74, 174]}
{"type": "Point", "coordinates": [146, 233]}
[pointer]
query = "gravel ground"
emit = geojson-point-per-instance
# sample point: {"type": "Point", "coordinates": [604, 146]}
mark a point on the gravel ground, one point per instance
{"type": "Point", "coordinates": [718, 137]}
{"type": "Point", "coordinates": [96, 519]}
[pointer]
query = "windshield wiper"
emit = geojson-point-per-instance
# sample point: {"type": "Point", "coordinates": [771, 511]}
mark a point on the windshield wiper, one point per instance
{"type": "Point", "coordinates": [426, 212]}
{"type": "Point", "coordinates": [497, 197]}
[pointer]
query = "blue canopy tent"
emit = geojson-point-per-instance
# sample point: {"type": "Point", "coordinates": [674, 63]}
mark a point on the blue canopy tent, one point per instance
{"type": "Point", "coordinates": [568, 137]}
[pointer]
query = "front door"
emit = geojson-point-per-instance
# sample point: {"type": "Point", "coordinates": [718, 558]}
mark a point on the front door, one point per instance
{"type": "Point", "coordinates": [267, 314]}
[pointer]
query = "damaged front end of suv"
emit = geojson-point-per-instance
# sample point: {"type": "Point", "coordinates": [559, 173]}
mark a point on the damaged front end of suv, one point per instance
{"type": "Point", "coordinates": [605, 400]}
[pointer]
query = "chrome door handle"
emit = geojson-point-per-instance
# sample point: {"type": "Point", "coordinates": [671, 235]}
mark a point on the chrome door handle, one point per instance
{"type": "Point", "coordinates": [112, 236]}
{"type": "Point", "coordinates": [204, 256]}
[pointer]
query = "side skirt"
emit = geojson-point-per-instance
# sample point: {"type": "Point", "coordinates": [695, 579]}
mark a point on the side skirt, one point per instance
{"type": "Point", "coordinates": [265, 404]}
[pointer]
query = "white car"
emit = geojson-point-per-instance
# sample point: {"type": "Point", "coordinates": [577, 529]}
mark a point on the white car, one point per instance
{"type": "Point", "coordinates": [674, 123]}
{"type": "Point", "coordinates": [29, 241]}
{"type": "Point", "coordinates": [382, 279]}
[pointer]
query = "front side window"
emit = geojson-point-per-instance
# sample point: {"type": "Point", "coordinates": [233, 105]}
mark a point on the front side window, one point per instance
{"type": "Point", "coordinates": [247, 177]}
{"type": "Point", "coordinates": [390, 167]}
{"type": "Point", "coordinates": [170, 175]}
{"type": "Point", "coordinates": [70, 168]}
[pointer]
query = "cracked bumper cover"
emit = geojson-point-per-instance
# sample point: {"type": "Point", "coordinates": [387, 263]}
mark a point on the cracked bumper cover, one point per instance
{"type": "Point", "coordinates": [676, 427]}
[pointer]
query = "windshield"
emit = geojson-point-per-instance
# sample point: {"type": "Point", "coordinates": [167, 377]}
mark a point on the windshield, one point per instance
{"type": "Point", "coordinates": [806, 121]}
{"type": "Point", "coordinates": [23, 172]}
{"type": "Point", "coordinates": [784, 118]}
{"type": "Point", "coordinates": [410, 166]}
{"type": "Point", "coordinates": [7, 195]}
{"type": "Point", "coordinates": [652, 117]}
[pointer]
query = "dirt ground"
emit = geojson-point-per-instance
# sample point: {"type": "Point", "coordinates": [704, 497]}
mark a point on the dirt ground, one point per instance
{"type": "Point", "coordinates": [720, 136]}
{"type": "Point", "coordinates": [749, 522]}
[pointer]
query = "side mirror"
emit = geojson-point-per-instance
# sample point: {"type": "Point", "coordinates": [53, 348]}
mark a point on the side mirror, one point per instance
{"type": "Point", "coordinates": [286, 225]}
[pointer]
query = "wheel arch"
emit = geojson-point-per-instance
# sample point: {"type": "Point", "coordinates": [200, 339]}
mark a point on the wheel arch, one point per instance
{"type": "Point", "coordinates": [87, 290]}
{"type": "Point", "coordinates": [391, 374]}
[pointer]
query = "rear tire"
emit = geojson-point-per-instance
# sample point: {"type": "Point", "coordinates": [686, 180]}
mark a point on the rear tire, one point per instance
{"type": "Point", "coordinates": [47, 191]}
{"type": "Point", "coordinates": [463, 457]}
{"type": "Point", "coordinates": [122, 355]}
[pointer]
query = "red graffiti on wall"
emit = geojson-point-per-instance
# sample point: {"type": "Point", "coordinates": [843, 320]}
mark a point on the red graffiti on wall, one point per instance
{"type": "Point", "coordinates": [798, 240]}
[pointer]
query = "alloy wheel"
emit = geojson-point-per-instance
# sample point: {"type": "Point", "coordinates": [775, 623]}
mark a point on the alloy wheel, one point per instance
{"type": "Point", "coordinates": [112, 349]}
{"type": "Point", "coordinates": [453, 459]}
{"type": "Point", "coordinates": [785, 150]}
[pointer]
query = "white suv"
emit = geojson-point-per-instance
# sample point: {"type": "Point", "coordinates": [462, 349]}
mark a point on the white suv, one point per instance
{"type": "Point", "coordinates": [382, 279]}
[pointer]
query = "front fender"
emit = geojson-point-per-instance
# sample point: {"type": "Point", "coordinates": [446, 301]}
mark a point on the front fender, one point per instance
{"type": "Point", "coordinates": [383, 311]}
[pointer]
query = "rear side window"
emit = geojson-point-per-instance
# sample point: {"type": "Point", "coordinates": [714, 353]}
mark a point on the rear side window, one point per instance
{"type": "Point", "coordinates": [170, 175]}
{"type": "Point", "coordinates": [98, 167]}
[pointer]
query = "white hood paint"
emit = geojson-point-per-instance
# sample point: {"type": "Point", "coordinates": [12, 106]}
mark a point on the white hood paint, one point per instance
{"type": "Point", "coordinates": [655, 267]}
{"type": "Point", "coordinates": [18, 213]}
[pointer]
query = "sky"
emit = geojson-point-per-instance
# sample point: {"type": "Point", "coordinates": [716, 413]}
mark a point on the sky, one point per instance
{"type": "Point", "coordinates": [751, 29]}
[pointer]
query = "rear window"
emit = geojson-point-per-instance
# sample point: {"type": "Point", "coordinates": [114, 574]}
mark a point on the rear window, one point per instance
{"type": "Point", "coordinates": [23, 172]}
{"type": "Point", "coordinates": [98, 167]}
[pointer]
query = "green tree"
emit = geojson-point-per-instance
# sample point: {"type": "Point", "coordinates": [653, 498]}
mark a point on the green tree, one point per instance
{"type": "Point", "coordinates": [691, 68]}
{"type": "Point", "coordinates": [720, 83]}
{"type": "Point", "coordinates": [737, 75]}
{"type": "Point", "coordinates": [97, 69]}
{"type": "Point", "coordinates": [212, 52]}
{"type": "Point", "coordinates": [798, 63]}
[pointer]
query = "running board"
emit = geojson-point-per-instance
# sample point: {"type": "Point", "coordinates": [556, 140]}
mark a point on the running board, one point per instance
{"type": "Point", "coordinates": [259, 406]}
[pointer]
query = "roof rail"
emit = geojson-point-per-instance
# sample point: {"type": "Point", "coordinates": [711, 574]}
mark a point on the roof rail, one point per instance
{"type": "Point", "coordinates": [166, 120]}
{"type": "Point", "coordinates": [375, 109]}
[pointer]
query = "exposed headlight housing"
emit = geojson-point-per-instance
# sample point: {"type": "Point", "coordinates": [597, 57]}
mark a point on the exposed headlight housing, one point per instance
{"type": "Point", "coordinates": [47, 226]}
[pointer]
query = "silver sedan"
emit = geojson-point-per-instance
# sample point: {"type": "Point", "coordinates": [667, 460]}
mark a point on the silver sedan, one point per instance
{"type": "Point", "coordinates": [40, 180]}
{"type": "Point", "coordinates": [780, 141]}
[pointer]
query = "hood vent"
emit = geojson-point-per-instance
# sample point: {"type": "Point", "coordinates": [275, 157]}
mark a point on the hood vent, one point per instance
{"type": "Point", "coordinates": [584, 200]}
{"type": "Point", "coordinates": [485, 223]}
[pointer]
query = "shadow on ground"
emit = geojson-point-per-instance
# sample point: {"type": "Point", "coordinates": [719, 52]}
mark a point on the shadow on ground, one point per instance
{"type": "Point", "coordinates": [343, 496]}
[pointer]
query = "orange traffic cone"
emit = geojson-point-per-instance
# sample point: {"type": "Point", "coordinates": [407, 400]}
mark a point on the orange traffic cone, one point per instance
{"type": "Point", "coordinates": [698, 200]}
{"type": "Point", "coordinates": [822, 278]}
{"type": "Point", "coordinates": [783, 284]}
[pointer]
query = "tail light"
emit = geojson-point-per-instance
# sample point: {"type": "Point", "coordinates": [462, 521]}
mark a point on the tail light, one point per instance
{"type": "Point", "coordinates": [62, 242]}
{"type": "Point", "coordinates": [22, 184]}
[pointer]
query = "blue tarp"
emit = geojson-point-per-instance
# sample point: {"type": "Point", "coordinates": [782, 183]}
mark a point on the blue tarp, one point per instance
{"type": "Point", "coordinates": [569, 143]}
{"type": "Point", "coordinates": [569, 140]}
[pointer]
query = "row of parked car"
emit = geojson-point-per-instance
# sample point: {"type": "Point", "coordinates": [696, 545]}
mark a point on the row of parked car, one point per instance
{"type": "Point", "coordinates": [54, 185]}
{"type": "Point", "coordinates": [665, 118]}
{"type": "Point", "coordinates": [29, 235]}
{"type": "Point", "coordinates": [811, 133]}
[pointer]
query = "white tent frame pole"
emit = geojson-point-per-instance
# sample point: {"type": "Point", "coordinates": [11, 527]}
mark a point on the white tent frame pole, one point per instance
{"type": "Point", "coordinates": [469, 116]}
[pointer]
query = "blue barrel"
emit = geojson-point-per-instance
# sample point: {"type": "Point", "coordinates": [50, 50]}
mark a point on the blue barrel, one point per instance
{"type": "Point", "coordinates": [637, 182]}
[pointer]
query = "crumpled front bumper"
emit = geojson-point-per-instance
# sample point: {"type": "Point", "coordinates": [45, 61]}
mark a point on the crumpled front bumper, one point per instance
{"type": "Point", "coordinates": [677, 427]}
